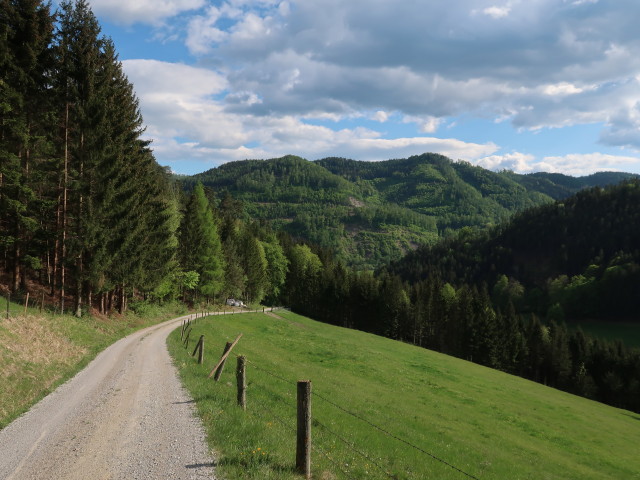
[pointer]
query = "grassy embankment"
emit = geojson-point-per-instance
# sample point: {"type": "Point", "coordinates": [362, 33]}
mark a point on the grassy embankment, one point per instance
{"type": "Point", "coordinates": [489, 424]}
{"type": "Point", "coordinates": [38, 352]}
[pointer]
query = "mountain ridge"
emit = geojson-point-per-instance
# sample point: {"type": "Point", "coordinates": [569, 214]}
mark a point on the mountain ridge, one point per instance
{"type": "Point", "coordinates": [374, 212]}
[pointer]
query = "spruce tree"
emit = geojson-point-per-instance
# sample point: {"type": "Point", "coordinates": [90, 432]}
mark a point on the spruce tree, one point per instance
{"type": "Point", "coordinates": [200, 247]}
{"type": "Point", "coordinates": [25, 60]}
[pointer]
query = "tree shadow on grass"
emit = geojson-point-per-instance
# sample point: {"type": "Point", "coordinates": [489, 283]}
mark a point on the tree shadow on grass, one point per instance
{"type": "Point", "coordinates": [635, 417]}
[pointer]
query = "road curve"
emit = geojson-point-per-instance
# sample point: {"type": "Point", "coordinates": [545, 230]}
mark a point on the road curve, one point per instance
{"type": "Point", "coordinates": [125, 416]}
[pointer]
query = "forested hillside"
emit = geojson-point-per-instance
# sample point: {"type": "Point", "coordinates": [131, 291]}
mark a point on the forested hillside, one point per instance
{"type": "Point", "coordinates": [306, 200]}
{"type": "Point", "coordinates": [371, 213]}
{"type": "Point", "coordinates": [578, 258]}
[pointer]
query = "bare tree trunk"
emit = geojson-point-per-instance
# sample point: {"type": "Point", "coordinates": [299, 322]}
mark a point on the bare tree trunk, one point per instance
{"type": "Point", "coordinates": [65, 186]}
{"type": "Point", "coordinates": [80, 222]}
{"type": "Point", "coordinates": [56, 246]}
{"type": "Point", "coordinates": [121, 306]}
{"type": "Point", "coordinates": [15, 281]}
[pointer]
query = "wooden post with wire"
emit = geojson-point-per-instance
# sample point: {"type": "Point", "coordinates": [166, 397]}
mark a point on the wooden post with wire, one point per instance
{"type": "Point", "coordinates": [200, 349]}
{"type": "Point", "coordinates": [220, 368]}
{"type": "Point", "coordinates": [242, 382]}
{"type": "Point", "coordinates": [224, 356]}
{"type": "Point", "coordinates": [186, 338]}
{"type": "Point", "coordinates": [303, 444]}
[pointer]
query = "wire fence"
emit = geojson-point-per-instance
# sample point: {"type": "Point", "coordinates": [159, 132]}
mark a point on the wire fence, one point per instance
{"type": "Point", "coordinates": [326, 434]}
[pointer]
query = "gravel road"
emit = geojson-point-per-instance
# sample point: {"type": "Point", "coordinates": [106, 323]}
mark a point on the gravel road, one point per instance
{"type": "Point", "coordinates": [125, 416]}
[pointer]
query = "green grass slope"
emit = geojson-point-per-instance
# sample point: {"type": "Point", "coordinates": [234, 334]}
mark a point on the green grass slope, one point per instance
{"type": "Point", "coordinates": [485, 423]}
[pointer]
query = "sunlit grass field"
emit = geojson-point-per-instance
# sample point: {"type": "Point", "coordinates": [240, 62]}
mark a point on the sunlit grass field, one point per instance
{"type": "Point", "coordinates": [477, 422]}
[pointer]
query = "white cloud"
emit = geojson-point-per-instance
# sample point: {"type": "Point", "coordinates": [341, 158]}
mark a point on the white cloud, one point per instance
{"type": "Point", "coordinates": [186, 115]}
{"type": "Point", "coordinates": [380, 116]}
{"type": "Point", "coordinates": [584, 164]}
{"type": "Point", "coordinates": [497, 12]}
{"type": "Point", "coordinates": [516, 161]}
{"type": "Point", "coordinates": [576, 164]}
{"type": "Point", "coordinates": [425, 124]}
{"type": "Point", "coordinates": [561, 89]}
{"type": "Point", "coordinates": [202, 32]}
{"type": "Point", "coordinates": [282, 65]}
{"type": "Point", "coordinates": [366, 55]}
{"type": "Point", "coordinates": [142, 11]}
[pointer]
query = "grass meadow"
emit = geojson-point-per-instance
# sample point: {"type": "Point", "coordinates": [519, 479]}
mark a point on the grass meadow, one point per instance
{"type": "Point", "coordinates": [443, 418]}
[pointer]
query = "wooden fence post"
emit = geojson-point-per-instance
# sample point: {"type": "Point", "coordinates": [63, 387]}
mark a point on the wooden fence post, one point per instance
{"type": "Point", "coordinates": [42, 303]}
{"type": "Point", "coordinates": [26, 304]}
{"type": "Point", "coordinates": [200, 349]}
{"type": "Point", "coordinates": [8, 300]}
{"type": "Point", "coordinates": [224, 356]}
{"type": "Point", "coordinates": [303, 444]}
{"type": "Point", "coordinates": [218, 373]}
{"type": "Point", "coordinates": [242, 382]}
{"type": "Point", "coordinates": [186, 339]}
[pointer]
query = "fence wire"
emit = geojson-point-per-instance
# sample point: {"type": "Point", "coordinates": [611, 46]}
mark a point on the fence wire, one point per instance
{"type": "Point", "coordinates": [389, 434]}
{"type": "Point", "coordinates": [352, 446]}
{"type": "Point", "coordinates": [362, 419]}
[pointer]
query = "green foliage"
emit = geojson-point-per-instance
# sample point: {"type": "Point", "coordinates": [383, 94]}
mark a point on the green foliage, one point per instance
{"type": "Point", "coordinates": [277, 267]}
{"type": "Point", "coordinates": [200, 246]}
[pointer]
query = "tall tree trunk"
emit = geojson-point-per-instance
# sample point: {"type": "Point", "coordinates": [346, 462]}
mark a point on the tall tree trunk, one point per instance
{"type": "Point", "coordinates": [65, 186]}
{"type": "Point", "coordinates": [80, 223]}
{"type": "Point", "coordinates": [15, 281]}
{"type": "Point", "coordinates": [56, 246]}
{"type": "Point", "coordinates": [121, 305]}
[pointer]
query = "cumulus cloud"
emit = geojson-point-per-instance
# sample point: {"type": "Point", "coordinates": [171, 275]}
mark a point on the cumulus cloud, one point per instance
{"type": "Point", "coordinates": [281, 64]}
{"type": "Point", "coordinates": [516, 161]}
{"type": "Point", "coordinates": [575, 164]}
{"type": "Point", "coordinates": [585, 164]}
{"type": "Point", "coordinates": [438, 61]}
{"type": "Point", "coordinates": [142, 11]}
{"type": "Point", "coordinates": [186, 114]}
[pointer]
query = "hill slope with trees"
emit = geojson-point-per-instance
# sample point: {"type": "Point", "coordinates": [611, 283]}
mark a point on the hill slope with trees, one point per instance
{"type": "Point", "coordinates": [371, 213]}
{"type": "Point", "coordinates": [577, 258]}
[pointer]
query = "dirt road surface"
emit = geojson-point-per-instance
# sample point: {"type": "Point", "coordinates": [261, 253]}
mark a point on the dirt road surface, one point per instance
{"type": "Point", "coordinates": [125, 416]}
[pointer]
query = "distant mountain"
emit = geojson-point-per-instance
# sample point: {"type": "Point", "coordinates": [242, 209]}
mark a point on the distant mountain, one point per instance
{"type": "Point", "coordinates": [580, 254]}
{"type": "Point", "coordinates": [559, 186]}
{"type": "Point", "coordinates": [371, 213]}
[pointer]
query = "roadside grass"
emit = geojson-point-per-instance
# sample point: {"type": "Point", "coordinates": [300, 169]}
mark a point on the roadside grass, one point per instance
{"type": "Point", "coordinates": [486, 423]}
{"type": "Point", "coordinates": [39, 351]}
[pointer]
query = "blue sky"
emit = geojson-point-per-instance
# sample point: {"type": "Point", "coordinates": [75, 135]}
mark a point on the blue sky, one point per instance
{"type": "Point", "coordinates": [530, 85]}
